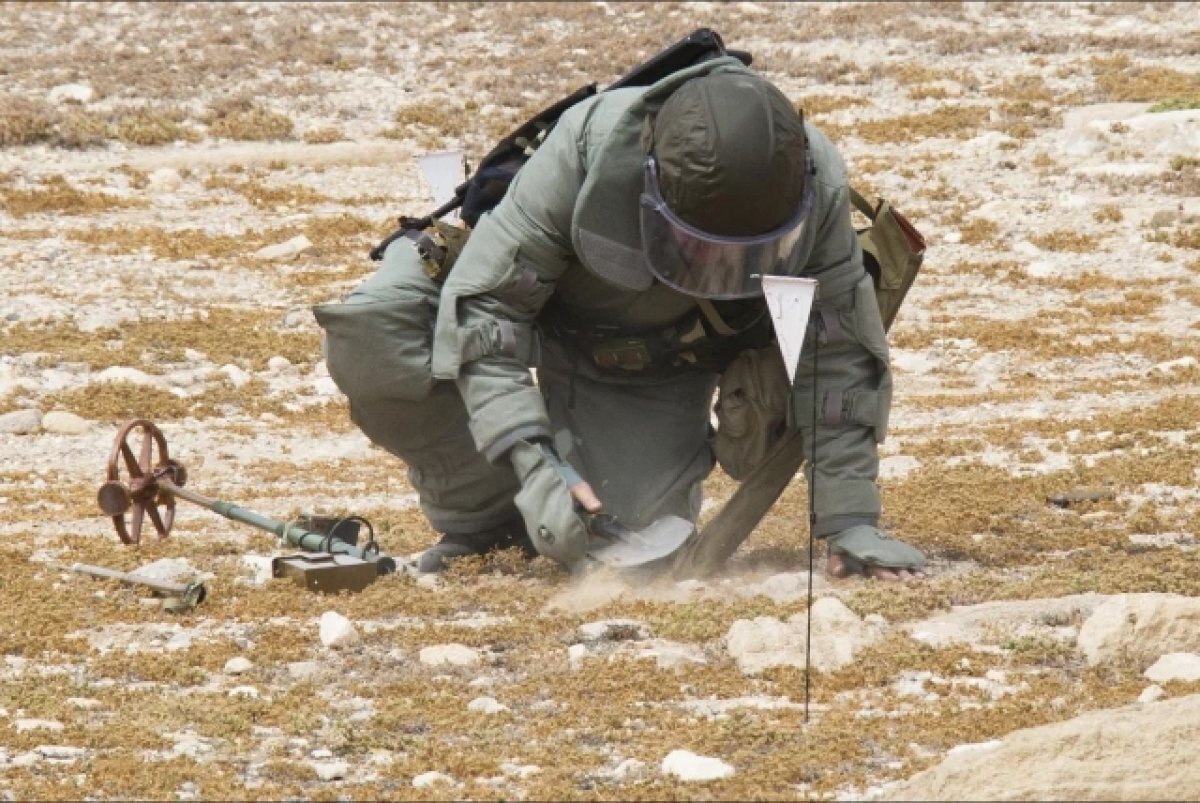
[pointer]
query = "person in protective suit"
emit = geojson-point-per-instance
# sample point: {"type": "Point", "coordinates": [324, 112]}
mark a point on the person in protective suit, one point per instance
{"type": "Point", "coordinates": [624, 264]}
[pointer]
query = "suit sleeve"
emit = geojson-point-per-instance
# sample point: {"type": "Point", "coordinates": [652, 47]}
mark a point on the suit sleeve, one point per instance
{"type": "Point", "coordinates": [484, 336]}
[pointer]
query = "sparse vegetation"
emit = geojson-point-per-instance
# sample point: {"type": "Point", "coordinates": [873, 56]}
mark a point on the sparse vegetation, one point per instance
{"type": "Point", "coordinates": [1038, 353]}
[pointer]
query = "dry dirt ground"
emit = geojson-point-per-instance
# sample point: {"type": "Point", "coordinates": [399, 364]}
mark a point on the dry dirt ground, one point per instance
{"type": "Point", "coordinates": [1051, 154]}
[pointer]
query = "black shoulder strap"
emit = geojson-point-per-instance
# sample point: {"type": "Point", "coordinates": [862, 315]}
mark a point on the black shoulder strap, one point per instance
{"type": "Point", "coordinates": [486, 186]}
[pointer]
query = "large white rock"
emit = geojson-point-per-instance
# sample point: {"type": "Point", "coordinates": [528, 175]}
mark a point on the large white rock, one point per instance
{"type": "Point", "coordinates": [64, 423]}
{"type": "Point", "coordinates": [688, 766]}
{"type": "Point", "coordinates": [1137, 752]}
{"type": "Point", "coordinates": [991, 622]}
{"type": "Point", "coordinates": [838, 634]}
{"type": "Point", "coordinates": [1175, 666]}
{"type": "Point", "coordinates": [1141, 627]}
{"type": "Point", "coordinates": [486, 705]}
{"type": "Point", "coordinates": [123, 373]}
{"type": "Point", "coordinates": [336, 630]}
{"type": "Point", "coordinates": [21, 422]}
{"type": "Point", "coordinates": [449, 655]}
{"type": "Point", "coordinates": [330, 770]}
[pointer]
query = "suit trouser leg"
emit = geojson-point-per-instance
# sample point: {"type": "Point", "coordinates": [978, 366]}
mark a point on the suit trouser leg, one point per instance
{"type": "Point", "coordinates": [423, 422]}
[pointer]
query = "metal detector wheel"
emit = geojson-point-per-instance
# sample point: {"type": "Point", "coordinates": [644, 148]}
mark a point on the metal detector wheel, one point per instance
{"type": "Point", "coordinates": [131, 500]}
{"type": "Point", "coordinates": [616, 546]}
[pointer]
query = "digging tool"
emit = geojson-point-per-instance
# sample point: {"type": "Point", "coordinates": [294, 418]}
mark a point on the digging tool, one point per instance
{"type": "Point", "coordinates": [155, 480]}
{"type": "Point", "coordinates": [189, 594]}
{"type": "Point", "coordinates": [619, 547]}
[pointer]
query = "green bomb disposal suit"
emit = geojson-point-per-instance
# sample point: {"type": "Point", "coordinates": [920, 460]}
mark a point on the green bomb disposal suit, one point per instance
{"type": "Point", "coordinates": [552, 279]}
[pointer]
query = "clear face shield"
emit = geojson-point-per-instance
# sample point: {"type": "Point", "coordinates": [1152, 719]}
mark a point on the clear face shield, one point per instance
{"type": "Point", "coordinates": [706, 265]}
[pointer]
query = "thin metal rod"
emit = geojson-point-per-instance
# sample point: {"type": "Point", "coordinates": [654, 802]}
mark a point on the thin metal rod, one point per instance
{"type": "Point", "coordinates": [812, 516]}
{"type": "Point", "coordinates": [293, 534]}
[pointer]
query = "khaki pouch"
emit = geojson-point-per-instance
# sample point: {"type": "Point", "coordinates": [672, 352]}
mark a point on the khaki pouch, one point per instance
{"type": "Point", "coordinates": [751, 409]}
{"type": "Point", "coordinates": [893, 251]}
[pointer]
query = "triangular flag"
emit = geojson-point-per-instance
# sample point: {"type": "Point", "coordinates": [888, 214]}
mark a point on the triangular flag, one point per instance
{"type": "Point", "coordinates": [789, 300]}
{"type": "Point", "coordinates": [443, 171]}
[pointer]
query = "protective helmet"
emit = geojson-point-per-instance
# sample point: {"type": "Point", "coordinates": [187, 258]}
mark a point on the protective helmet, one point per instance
{"type": "Point", "coordinates": [726, 193]}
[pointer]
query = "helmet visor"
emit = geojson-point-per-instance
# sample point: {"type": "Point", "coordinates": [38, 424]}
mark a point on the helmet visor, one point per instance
{"type": "Point", "coordinates": [706, 265]}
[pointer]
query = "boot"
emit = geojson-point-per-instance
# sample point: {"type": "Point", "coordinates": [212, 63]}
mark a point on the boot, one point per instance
{"type": "Point", "coordinates": [458, 545]}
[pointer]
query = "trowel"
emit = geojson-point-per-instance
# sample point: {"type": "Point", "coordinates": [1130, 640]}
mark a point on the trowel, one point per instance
{"type": "Point", "coordinates": [619, 547]}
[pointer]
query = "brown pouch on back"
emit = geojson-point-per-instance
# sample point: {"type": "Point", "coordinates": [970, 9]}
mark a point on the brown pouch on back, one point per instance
{"type": "Point", "coordinates": [893, 251]}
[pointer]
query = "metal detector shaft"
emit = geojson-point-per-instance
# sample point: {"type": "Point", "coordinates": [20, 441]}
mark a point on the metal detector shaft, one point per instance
{"type": "Point", "coordinates": [164, 587]}
{"type": "Point", "coordinates": [291, 533]}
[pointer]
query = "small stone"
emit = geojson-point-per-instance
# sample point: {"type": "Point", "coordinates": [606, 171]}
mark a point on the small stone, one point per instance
{"type": "Point", "coordinates": [614, 630]}
{"type": "Point", "coordinates": [64, 423]}
{"type": "Point", "coordinates": [21, 422]}
{"type": "Point", "coordinates": [83, 703]}
{"type": "Point", "coordinates": [58, 752]}
{"type": "Point", "coordinates": [486, 705]}
{"type": "Point", "coordinates": [236, 376]}
{"type": "Point", "coordinates": [277, 364]}
{"type": "Point", "coordinates": [285, 250]}
{"type": "Point", "coordinates": [1151, 694]}
{"type": "Point", "coordinates": [628, 767]}
{"type": "Point", "coordinates": [1163, 218]}
{"type": "Point", "coordinates": [304, 670]}
{"type": "Point", "coordinates": [165, 180]}
{"type": "Point", "coordinates": [23, 725]}
{"type": "Point", "coordinates": [245, 691]}
{"type": "Point", "coordinates": [520, 770]}
{"type": "Point", "coordinates": [121, 373]}
{"type": "Point", "coordinates": [71, 93]}
{"type": "Point", "coordinates": [238, 665]}
{"type": "Point", "coordinates": [330, 770]}
{"type": "Point", "coordinates": [575, 655]}
{"type": "Point", "coordinates": [337, 631]}
{"type": "Point", "coordinates": [687, 766]}
{"type": "Point", "coordinates": [1183, 666]}
{"type": "Point", "coordinates": [427, 779]}
{"type": "Point", "coordinates": [449, 655]}
{"type": "Point", "coordinates": [322, 753]}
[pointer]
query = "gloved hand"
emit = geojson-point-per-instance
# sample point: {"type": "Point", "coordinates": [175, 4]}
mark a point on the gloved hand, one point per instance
{"type": "Point", "coordinates": [550, 492]}
{"type": "Point", "coordinates": [871, 552]}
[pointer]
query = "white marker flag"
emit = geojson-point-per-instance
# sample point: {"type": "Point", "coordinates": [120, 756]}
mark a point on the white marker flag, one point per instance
{"type": "Point", "coordinates": [790, 300]}
{"type": "Point", "coordinates": [443, 171]}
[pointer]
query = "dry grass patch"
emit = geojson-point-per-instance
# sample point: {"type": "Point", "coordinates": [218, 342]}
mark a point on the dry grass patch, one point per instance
{"type": "Point", "coordinates": [243, 118]}
{"type": "Point", "coordinates": [1117, 78]}
{"type": "Point", "coordinates": [58, 196]}
{"type": "Point", "coordinates": [1069, 240]}
{"type": "Point", "coordinates": [953, 121]}
{"type": "Point", "coordinates": [226, 335]}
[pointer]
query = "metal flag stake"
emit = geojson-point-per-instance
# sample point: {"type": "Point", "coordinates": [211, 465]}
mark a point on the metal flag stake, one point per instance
{"type": "Point", "coordinates": [790, 300]}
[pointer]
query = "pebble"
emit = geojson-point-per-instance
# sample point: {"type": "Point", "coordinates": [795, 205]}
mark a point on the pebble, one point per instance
{"type": "Point", "coordinates": [286, 250]}
{"type": "Point", "coordinates": [71, 93]}
{"type": "Point", "coordinates": [56, 752]}
{"type": "Point", "coordinates": [277, 364]}
{"type": "Point", "coordinates": [486, 705]}
{"type": "Point", "coordinates": [23, 725]}
{"type": "Point", "coordinates": [614, 630]}
{"type": "Point", "coordinates": [688, 766]}
{"type": "Point", "coordinates": [238, 665]}
{"type": "Point", "coordinates": [449, 655]}
{"type": "Point", "coordinates": [330, 770]}
{"type": "Point", "coordinates": [427, 779]}
{"type": "Point", "coordinates": [122, 373]}
{"type": "Point", "coordinates": [236, 375]}
{"type": "Point", "coordinates": [304, 670]}
{"type": "Point", "coordinates": [337, 631]}
{"type": "Point", "coordinates": [1151, 694]}
{"type": "Point", "coordinates": [575, 655]}
{"type": "Point", "coordinates": [83, 703]}
{"type": "Point", "coordinates": [245, 691]}
{"type": "Point", "coordinates": [164, 180]}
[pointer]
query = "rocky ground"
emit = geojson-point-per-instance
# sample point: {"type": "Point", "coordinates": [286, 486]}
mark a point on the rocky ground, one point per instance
{"type": "Point", "coordinates": [180, 183]}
